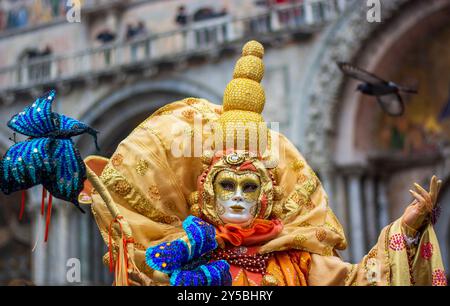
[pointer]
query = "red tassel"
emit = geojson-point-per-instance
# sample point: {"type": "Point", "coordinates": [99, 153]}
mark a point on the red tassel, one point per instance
{"type": "Point", "coordinates": [49, 213]}
{"type": "Point", "coordinates": [121, 265]}
{"type": "Point", "coordinates": [44, 195]}
{"type": "Point", "coordinates": [22, 205]}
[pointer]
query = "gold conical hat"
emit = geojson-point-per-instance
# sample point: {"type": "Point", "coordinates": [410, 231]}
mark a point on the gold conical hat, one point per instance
{"type": "Point", "coordinates": [244, 99]}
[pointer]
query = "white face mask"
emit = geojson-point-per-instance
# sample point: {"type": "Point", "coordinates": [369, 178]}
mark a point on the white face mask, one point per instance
{"type": "Point", "coordinates": [237, 196]}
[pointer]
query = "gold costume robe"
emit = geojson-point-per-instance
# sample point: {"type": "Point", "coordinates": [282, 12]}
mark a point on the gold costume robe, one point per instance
{"type": "Point", "coordinates": [151, 188]}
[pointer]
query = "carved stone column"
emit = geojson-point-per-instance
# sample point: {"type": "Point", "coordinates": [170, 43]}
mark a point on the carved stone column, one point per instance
{"type": "Point", "coordinates": [356, 233]}
{"type": "Point", "coordinates": [340, 208]}
{"type": "Point", "coordinates": [49, 258]}
{"type": "Point", "coordinates": [383, 204]}
{"type": "Point", "coordinates": [370, 211]}
{"type": "Point", "coordinates": [39, 251]}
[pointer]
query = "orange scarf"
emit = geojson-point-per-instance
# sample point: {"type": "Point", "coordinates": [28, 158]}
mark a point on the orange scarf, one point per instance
{"type": "Point", "coordinates": [260, 231]}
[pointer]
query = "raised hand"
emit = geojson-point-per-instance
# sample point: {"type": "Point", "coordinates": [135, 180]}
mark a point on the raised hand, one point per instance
{"type": "Point", "coordinates": [419, 211]}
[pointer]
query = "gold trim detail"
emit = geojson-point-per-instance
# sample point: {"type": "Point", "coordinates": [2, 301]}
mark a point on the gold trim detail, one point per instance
{"type": "Point", "coordinates": [117, 160]}
{"type": "Point", "coordinates": [112, 178]}
{"type": "Point", "coordinates": [142, 167]}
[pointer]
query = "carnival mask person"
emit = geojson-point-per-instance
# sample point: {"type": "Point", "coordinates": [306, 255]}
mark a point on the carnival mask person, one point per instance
{"type": "Point", "coordinates": [237, 215]}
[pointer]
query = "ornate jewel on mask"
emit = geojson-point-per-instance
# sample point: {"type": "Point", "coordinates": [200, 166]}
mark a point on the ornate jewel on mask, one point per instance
{"type": "Point", "coordinates": [235, 158]}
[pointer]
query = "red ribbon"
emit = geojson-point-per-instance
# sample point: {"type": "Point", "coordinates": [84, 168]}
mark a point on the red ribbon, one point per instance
{"type": "Point", "coordinates": [261, 231]}
{"type": "Point", "coordinates": [49, 213]}
{"type": "Point", "coordinates": [44, 195]}
{"type": "Point", "coordinates": [125, 242]}
{"type": "Point", "coordinates": [22, 205]}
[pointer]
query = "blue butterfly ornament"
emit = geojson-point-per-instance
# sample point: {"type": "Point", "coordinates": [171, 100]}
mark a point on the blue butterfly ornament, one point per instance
{"type": "Point", "coordinates": [49, 156]}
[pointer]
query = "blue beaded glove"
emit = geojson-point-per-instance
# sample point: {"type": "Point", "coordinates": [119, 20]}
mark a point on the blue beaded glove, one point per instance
{"type": "Point", "coordinates": [168, 257]}
{"type": "Point", "coordinates": [216, 273]}
{"type": "Point", "coordinates": [202, 236]}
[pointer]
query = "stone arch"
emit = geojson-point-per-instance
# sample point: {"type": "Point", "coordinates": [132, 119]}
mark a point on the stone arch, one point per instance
{"type": "Point", "coordinates": [132, 104]}
{"type": "Point", "coordinates": [347, 39]}
{"type": "Point", "coordinates": [380, 53]}
{"type": "Point", "coordinates": [328, 107]}
{"type": "Point", "coordinates": [124, 108]}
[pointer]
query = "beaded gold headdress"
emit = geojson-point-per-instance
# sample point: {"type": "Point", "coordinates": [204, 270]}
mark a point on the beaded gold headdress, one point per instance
{"type": "Point", "coordinates": [241, 122]}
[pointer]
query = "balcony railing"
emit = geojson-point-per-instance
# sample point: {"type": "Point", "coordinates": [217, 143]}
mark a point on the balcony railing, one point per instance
{"type": "Point", "coordinates": [197, 38]}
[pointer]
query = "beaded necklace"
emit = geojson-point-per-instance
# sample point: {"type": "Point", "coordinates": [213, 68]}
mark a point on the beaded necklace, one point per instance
{"type": "Point", "coordinates": [237, 256]}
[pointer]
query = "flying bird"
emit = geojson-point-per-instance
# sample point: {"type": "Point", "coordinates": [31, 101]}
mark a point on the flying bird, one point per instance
{"type": "Point", "coordinates": [388, 93]}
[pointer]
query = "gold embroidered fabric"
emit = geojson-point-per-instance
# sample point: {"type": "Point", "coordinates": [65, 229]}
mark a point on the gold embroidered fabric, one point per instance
{"type": "Point", "coordinates": [152, 187]}
{"type": "Point", "coordinates": [386, 264]}
{"type": "Point", "coordinates": [154, 218]}
{"type": "Point", "coordinates": [153, 180]}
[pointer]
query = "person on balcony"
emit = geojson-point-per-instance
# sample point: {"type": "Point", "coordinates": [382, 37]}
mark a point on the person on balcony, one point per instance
{"type": "Point", "coordinates": [46, 65]}
{"type": "Point", "coordinates": [207, 34]}
{"type": "Point", "coordinates": [106, 37]}
{"type": "Point", "coordinates": [18, 17]}
{"type": "Point", "coordinates": [181, 20]}
{"type": "Point", "coordinates": [262, 22]}
{"type": "Point", "coordinates": [133, 33]}
{"type": "Point", "coordinates": [298, 11]}
{"type": "Point", "coordinates": [36, 66]}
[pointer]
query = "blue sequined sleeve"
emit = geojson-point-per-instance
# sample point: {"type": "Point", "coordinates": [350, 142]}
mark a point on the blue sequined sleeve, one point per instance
{"type": "Point", "coordinates": [201, 234]}
{"type": "Point", "coordinates": [215, 273]}
{"type": "Point", "coordinates": [168, 257]}
{"type": "Point", "coordinates": [191, 266]}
